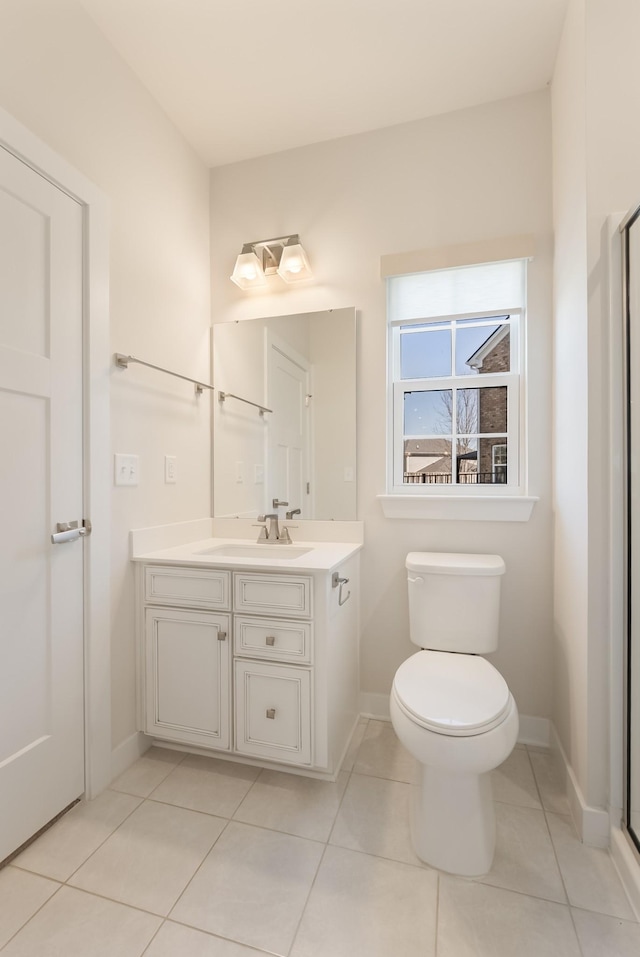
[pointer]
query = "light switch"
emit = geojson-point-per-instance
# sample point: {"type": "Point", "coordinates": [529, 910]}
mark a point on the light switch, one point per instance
{"type": "Point", "coordinates": [170, 476]}
{"type": "Point", "coordinates": [239, 472]}
{"type": "Point", "coordinates": [258, 474]}
{"type": "Point", "coordinates": [126, 469]}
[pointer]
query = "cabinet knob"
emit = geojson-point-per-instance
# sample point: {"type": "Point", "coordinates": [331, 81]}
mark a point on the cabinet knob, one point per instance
{"type": "Point", "coordinates": [271, 712]}
{"type": "Point", "coordinates": [222, 636]}
{"type": "Point", "coordinates": [271, 639]}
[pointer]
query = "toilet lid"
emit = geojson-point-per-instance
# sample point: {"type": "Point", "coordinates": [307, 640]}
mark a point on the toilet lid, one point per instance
{"type": "Point", "coordinates": [451, 693]}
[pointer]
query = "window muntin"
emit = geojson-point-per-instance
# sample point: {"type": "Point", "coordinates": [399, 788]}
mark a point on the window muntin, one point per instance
{"type": "Point", "coordinates": [455, 393]}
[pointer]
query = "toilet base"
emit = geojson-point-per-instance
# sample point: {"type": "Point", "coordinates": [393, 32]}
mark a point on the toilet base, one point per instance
{"type": "Point", "coordinates": [453, 823]}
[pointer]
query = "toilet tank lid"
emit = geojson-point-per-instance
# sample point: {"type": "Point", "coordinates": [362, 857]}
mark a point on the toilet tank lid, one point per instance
{"type": "Point", "coordinates": [452, 563]}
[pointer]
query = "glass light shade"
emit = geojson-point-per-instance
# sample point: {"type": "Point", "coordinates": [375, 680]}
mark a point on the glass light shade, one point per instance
{"type": "Point", "coordinates": [248, 271]}
{"type": "Point", "coordinates": [294, 265]}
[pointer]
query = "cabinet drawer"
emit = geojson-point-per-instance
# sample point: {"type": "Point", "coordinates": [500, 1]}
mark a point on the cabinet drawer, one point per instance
{"type": "Point", "coordinates": [192, 587]}
{"type": "Point", "coordinates": [273, 711]}
{"type": "Point", "coordinates": [273, 594]}
{"type": "Point", "coordinates": [273, 638]}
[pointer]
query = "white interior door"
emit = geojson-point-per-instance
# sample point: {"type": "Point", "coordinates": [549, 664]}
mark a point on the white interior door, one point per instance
{"type": "Point", "coordinates": [288, 438]}
{"type": "Point", "coordinates": [41, 586]}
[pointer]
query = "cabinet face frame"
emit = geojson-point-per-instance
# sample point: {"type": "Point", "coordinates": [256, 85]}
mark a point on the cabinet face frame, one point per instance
{"type": "Point", "coordinates": [219, 625]}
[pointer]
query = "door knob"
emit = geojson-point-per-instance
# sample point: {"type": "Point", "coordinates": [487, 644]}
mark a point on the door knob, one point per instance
{"type": "Point", "coordinates": [70, 532]}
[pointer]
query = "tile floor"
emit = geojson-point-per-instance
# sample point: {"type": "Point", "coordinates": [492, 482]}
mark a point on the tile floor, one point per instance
{"type": "Point", "coordinates": [188, 856]}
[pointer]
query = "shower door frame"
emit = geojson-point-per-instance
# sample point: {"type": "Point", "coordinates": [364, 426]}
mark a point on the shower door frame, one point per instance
{"type": "Point", "coordinates": [632, 217]}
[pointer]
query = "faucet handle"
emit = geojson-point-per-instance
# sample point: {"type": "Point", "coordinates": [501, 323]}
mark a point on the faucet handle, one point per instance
{"type": "Point", "coordinates": [276, 503]}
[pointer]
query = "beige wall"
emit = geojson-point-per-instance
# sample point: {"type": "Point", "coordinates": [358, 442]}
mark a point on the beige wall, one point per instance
{"type": "Point", "coordinates": [464, 177]}
{"type": "Point", "coordinates": [570, 393]}
{"type": "Point", "coordinates": [60, 78]}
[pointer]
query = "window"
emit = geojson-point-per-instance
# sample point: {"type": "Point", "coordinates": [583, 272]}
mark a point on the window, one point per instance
{"type": "Point", "coordinates": [499, 462]}
{"type": "Point", "coordinates": [456, 379]}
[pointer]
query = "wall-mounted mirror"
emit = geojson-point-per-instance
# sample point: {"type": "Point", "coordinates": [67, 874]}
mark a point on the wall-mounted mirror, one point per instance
{"type": "Point", "coordinates": [303, 451]}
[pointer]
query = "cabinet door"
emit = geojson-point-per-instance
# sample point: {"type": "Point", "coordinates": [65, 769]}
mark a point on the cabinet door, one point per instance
{"type": "Point", "coordinates": [188, 676]}
{"type": "Point", "coordinates": [273, 711]}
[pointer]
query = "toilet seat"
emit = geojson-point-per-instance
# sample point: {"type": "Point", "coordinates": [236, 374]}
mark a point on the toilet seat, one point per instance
{"type": "Point", "coordinates": [451, 694]}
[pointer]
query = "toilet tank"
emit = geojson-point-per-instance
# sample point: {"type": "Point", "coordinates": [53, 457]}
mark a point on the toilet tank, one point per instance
{"type": "Point", "coordinates": [454, 601]}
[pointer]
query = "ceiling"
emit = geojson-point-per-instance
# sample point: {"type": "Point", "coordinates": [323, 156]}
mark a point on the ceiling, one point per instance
{"type": "Point", "coordinates": [243, 78]}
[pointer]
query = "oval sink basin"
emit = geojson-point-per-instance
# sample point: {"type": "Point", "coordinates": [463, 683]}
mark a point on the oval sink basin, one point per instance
{"type": "Point", "coordinates": [285, 552]}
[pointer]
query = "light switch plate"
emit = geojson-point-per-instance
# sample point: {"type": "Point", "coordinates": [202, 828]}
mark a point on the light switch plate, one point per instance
{"type": "Point", "coordinates": [126, 469]}
{"type": "Point", "coordinates": [170, 474]}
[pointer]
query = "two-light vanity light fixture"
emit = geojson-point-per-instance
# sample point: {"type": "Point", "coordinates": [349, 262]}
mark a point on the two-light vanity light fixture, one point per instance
{"type": "Point", "coordinates": [284, 256]}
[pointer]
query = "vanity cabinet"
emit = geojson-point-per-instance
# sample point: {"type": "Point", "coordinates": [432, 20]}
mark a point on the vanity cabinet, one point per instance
{"type": "Point", "coordinates": [262, 666]}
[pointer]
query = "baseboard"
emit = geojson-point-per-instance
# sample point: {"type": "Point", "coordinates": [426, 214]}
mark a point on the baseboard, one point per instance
{"type": "Point", "coordinates": [534, 731]}
{"type": "Point", "coordinates": [373, 705]}
{"type": "Point", "coordinates": [592, 823]}
{"type": "Point", "coordinates": [626, 862]}
{"type": "Point", "coordinates": [127, 752]}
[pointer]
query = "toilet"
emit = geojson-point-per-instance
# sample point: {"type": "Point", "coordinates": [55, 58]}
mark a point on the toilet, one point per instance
{"type": "Point", "coordinates": [452, 710]}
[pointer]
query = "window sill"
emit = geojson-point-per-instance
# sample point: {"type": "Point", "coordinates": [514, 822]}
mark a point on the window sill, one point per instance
{"type": "Point", "coordinates": [468, 508]}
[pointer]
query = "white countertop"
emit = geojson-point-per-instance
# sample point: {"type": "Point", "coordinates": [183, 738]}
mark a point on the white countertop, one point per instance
{"type": "Point", "coordinates": [321, 556]}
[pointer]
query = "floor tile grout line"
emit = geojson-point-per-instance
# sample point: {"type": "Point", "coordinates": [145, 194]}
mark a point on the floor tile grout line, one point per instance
{"type": "Point", "coordinates": [575, 930]}
{"type": "Point", "coordinates": [197, 871]}
{"type": "Point", "coordinates": [31, 916]}
{"type": "Point", "coordinates": [154, 935]}
{"type": "Point", "coordinates": [231, 940]}
{"type": "Point", "coordinates": [326, 843]}
{"type": "Point", "coordinates": [562, 878]}
{"type": "Point", "coordinates": [111, 900]}
{"type": "Point", "coordinates": [535, 780]}
{"type": "Point", "coordinates": [183, 755]}
{"type": "Point", "coordinates": [581, 906]}
{"type": "Point", "coordinates": [306, 902]}
{"type": "Point", "coordinates": [193, 810]}
{"type": "Point", "coordinates": [548, 754]}
{"type": "Point", "coordinates": [135, 906]}
{"type": "Point", "coordinates": [598, 913]}
{"type": "Point", "coordinates": [94, 851]}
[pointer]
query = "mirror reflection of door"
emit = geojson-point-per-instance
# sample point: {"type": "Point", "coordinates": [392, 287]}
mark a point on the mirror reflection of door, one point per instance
{"type": "Point", "coordinates": [289, 427]}
{"type": "Point", "coordinates": [322, 344]}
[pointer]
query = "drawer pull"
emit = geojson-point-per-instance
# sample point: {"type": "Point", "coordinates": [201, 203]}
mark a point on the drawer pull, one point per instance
{"type": "Point", "coordinates": [270, 639]}
{"type": "Point", "coordinates": [222, 636]}
{"type": "Point", "coordinates": [271, 712]}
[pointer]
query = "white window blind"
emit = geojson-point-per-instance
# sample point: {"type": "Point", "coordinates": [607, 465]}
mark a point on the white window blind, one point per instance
{"type": "Point", "coordinates": [488, 287]}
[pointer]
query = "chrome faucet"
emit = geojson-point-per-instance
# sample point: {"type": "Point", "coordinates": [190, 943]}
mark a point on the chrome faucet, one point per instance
{"type": "Point", "coordinates": [294, 511]}
{"type": "Point", "coordinates": [273, 535]}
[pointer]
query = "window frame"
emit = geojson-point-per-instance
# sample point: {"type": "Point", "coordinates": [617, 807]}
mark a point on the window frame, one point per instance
{"type": "Point", "coordinates": [515, 382]}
